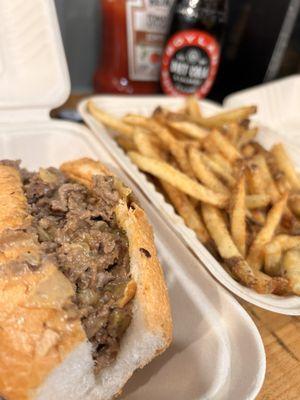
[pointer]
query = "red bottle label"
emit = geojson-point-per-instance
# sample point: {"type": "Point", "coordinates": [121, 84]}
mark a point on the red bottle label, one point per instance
{"type": "Point", "coordinates": [190, 63]}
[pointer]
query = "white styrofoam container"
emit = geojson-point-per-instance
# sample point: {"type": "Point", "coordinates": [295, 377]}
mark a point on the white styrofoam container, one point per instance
{"type": "Point", "coordinates": [145, 105]}
{"type": "Point", "coordinates": [278, 106]}
{"type": "Point", "coordinates": [217, 352]}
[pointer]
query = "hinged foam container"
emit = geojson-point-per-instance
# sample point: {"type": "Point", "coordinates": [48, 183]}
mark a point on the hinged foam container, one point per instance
{"type": "Point", "coordinates": [120, 106]}
{"type": "Point", "coordinates": [217, 352]}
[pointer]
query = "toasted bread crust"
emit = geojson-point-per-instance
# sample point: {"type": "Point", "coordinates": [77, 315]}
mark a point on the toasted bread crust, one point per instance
{"type": "Point", "coordinates": [13, 204]}
{"type": "Point", "coordinates": [35, 335]}
{"type": "Point", "coordinates": [151, 293]}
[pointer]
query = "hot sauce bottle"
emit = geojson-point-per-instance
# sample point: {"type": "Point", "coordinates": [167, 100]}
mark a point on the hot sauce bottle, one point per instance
{"type": "Point", "coordinates": [133, 35]}
{"type": "Point", "coordinates": [192, 52]}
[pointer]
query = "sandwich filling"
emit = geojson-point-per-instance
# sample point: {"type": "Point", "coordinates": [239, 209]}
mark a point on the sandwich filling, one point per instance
{"type": "Point", "coordinates": [78, 228]}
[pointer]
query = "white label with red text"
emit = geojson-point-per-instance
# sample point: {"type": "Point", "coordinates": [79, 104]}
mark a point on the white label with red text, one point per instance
{"type": "Point", "coordinates": [147, 22]}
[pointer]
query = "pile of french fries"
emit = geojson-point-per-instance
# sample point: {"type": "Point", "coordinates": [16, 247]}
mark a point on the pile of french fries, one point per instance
{"type": "Point", "coordinates": [242, 201]}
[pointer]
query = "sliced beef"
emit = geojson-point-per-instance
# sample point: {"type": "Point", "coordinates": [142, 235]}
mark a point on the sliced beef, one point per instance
{"type": "Point", "coordinates": [78, 227]}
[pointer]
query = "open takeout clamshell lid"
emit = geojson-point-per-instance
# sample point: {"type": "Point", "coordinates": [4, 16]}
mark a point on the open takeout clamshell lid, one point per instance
{"type": "Point", "coordinates": [34, 76]}
{"type": "Point", "coordinates": [289, 305]}
{"type": "Point", "coordinates": [278, 105]}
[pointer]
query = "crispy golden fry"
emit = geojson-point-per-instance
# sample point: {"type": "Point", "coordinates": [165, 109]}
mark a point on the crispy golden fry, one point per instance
{"type": "Point", "coordinates": [255, 181]}
{"type": "Point", "coordinates": [238, 216]}
{"type": "Point", "coordinates": [164, 171]}
{"type": "Point", "coordinates": [274, 250]}
{"type": "Point", "coordinates": [265, 235]}
{"type": "Point", "coordinates": [282, 184]}
{"type": "Point", "coordinates": [294, 203]}
{"type": "Point", "coordinates": [257, 201]}
{"type": "Point", "coordinates": [270, 187]}
{"type": "Point", "coordinates": [246, 137]}
{"type": "Point", "coordinates": [160, 113]}
{"type": "Point", "coordinates": [234, 261]}
{"type": "Point", "coordinates": [218, 170]}
{"type": "Point", "coordinates": [136, 120]}
{"type": "Point", "coordinates": [272, 262]}
{"type": "Point", "coordinates": [125, 142]}
{"type": "Point", "coordinates": [176, 149]}
{"type": "Point", "coordinates": [181, 202]}
{"type": "Point", "coordinates": [218, 120]}
{"type": "Point", "coordinates": [203, 173]}
{"type": "Point", "coordinates": [291, 269]}
{"type": "Point", "coordinates": [223, 163]}
{"type": "Point", "coordinates": [285, 165]}
{"type": "Point", "coordinates": [248, 150]}
{"type": "Point", "coordinates": [186, 210]}
{"type": "Point", "coordinates": [109, 121]}
{"type": "Point", "coordinates": [189, 129]}
{"type": "Point", "coordinates": [224, 146]}
{"type": "Point", "coordinates": [192, 106]}
{"type": "Point", "coordinates": [232, 132]}
{"type": "Point", "coordinates": [147, 146]}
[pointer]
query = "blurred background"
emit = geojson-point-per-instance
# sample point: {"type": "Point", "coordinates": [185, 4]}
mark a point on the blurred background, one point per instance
{"type": "Point", "coordinates": [262, 43]}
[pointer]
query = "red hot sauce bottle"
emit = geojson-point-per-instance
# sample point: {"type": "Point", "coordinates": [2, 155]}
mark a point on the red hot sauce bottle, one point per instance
{"type": "Point", "coordinates": [133, 36]}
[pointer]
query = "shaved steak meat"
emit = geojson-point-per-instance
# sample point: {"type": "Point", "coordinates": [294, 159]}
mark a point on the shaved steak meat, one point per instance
{"type": "Point", "coordinates": [78, 227]}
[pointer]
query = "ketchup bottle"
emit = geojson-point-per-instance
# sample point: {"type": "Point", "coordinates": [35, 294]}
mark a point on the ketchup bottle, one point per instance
{"type": "Point", "coordinates": [133, 35]}
{"type": "Point", "coordinates": [192, 51]}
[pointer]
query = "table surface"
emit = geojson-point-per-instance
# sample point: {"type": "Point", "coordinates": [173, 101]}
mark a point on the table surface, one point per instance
{"type": "Point", "coordinates": [281, 337]}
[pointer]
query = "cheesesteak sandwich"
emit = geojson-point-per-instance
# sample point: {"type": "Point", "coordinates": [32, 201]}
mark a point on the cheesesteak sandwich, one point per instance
{"type": "Point", "coordinates": [83, 299]}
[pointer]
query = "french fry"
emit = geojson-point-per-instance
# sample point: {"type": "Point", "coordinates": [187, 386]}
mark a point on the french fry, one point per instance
{"type": "Point", "coordinates": [160, 113]}
{"type": "Point", "coordinates": [186, 210]}
{"type": "Point", "coordinates": [274, 250]}
{"type": "Point", "coordinates": [223, 163]}
{"type": "Point", "coordinates": [294, 203]}
{"type": "Point", "coordinates": [285, 165]}
{"type": "Point", "coordinates": [203, 173]}
{"type": "Point", "coordinates": [265, 235]}
{"type": "Point", "coordinates": [181, 202]}
{"type": "Point", "coordinates": [192, 107]}
{"type": "Point", "coordinates": [255, 181]}
{"type": "Point", "coordinates": [109, 121]}
{"type": "Point", "coordinates": [269, 183]}
{"type": "Point", "coordinates": [136, 120]}
{"type": "Point", "coordinates": [215, 164]}
{"type": "Point", "coordinates": [164, 171]}
{"type": "Point", "coordinates": [189, 129]}
{"type": "Point", "coordinates": [246, 137]}
{"type": "Point", "coordinates": [282, 184]}
{"type": "Point", "coordinates": [232, 132]}
{"type": "Point", "coordinates": [224, 146]}
{"type": "Point", "coordinates": [216, 226]}
{"type": "Point", "coordinates": [125, 142]}
{"type": "Point", "coordinates": [272, 259]}
{"type": "Point", "coordinates": [248, 150]}
{"type": "Point", "coordinates": [218, 170]}
{"type": "Point", "coordinates": [218, 120]}
{"type": "Point", "coordinates": [176, 149]}
{"type": "Point", "coordinates": [291, 269]}
{"type": "Point", "coordinates": [257, 201]}
{"type": "Point", "coordinates": [146, 145]}
{"type": "Point", "coordinates": [238, 216]}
